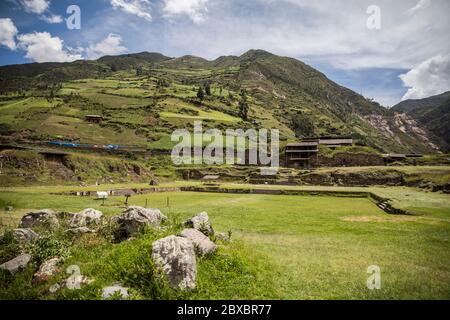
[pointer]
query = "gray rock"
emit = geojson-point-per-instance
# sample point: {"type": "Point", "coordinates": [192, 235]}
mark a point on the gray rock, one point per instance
{"type": "Point", "coordinates": [46, 217]}
{"type": "Point", "coordinates": [201, 223]}
{"type": "Point", "coordinates": [85, 218]}
{"type": "Point", "coordinates": [47, 270]}
{"type": "Point", "coordinates": [109, 292]}
{"type": "Point", "coordinates": [175, 256]}
{"type": "Point", "coordinates": [25, 235]}
{"type": "Point", "coordinates": [134, 219]}
{"type": "Point", "coordinates": [75, 282]}
{"type": "Point", "coordinates": [17, 264]}
{"type": "Point", "coordinates": [224, 237]}
{"type": "Point", "coordinates": [202, 244]}
{"type": "Point", "coordinates": [54, 288]}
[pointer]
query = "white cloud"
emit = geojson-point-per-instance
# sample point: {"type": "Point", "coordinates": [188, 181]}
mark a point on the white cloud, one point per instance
{"type": "Point", "coordinates": [35, 6]}
{"type": "Point", "coordinates": [111, 45]}
{"type": "Point", "coordinates": [140, 8]}
{"type": "Point", "coordinates": [422, 4]}
{"type": "Point", "coordinates": [52, 19]}
{"type": "Point", "coordinates": [41, 8]}
{"type": "Point", "coordinates": [195, 9]}
{"type": "Point", "coordinates": [42, 47]}
{"type": "Point", "coordinates": [326, 31]}
{"type": "Point", "coordinates": [8, 32]}
{"type": "Point", "coordinates": [431, 77]}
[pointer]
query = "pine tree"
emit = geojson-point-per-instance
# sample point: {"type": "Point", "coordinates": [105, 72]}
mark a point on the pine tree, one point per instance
{"type": "Point", "coordinates": [208, 89]}
{"type": "Point", "coordinates": [200, 94]}
{"type": "Point", "coordinates": [243, 106]}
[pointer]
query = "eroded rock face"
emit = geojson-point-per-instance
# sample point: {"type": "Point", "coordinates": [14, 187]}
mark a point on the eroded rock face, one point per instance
{"type": "Point", "coordinates": [201, 223]}
{"type": "Point", "coordinates": [25, 235]}
{"type": "Point", "coordinates": [17, 264]}
{"type": "Point", "coordinates": [117, 289]}
{"type": "Point", "coordinates": [175, 256]}
{"type": "Point", "coordinates": [47, 270]}
{"type": "Point", "coordinates": [202, 244]}
{"type": "Point", "coordinates": [46, 217]}
{"type": "Point", "coordinates": [85, 218]}
{"type": "Point", "coordinates": [134, 219]}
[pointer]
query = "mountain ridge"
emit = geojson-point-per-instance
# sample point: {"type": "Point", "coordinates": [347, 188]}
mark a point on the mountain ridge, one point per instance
{"type": "Point", "coordinates": [285, 93]}
{"type": "Point", "coordinates": [432, 112]}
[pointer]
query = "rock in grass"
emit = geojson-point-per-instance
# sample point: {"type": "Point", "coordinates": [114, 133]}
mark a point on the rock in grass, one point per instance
{"type": "Point", "coordinates": [134, 219]}
{"type": "Point", "coordinates": [47, 270]}
{"type": "Point", "coordinates": [115, 290]}
{"type": "Point", "coordinates": [223, 237]}
{"type": "Point", "coordinates": [202, 244]}
{"type": "Point", "coordinates": [54, 288]}
{"type": "Point", "coordinates": [17, 264]}
{"type": "Point", "coordinates": [46, 218]}
{"type": "Point", "coordinates": [175, 256]}
{"type": "Point", "coordinates": [25, 235]}
{"type": "Point", "coordinates": [201, 223]}
{"type": "Point", "coordinates": [75, 282]}
{"type": "Point", "coordinates": [85, 218]}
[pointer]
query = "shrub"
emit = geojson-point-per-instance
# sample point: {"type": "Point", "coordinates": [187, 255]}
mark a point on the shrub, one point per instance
{"type": "Point", "coordinates": [48, 246]}
{"type": "Point", "coordinates": [9, 247]}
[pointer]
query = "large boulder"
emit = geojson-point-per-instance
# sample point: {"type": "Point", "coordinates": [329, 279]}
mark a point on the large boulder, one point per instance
{"type": "Point", "coordinates": [134, 219]}
{"type": "Point", "coordinates": [202, 244]}
{"type": "Point", "coordinates": [46, 217]}
{"type": "Point", "coordinates": [17, 264]}
{"type": "Point", "coordinates": [175, 256]}
{"type": "Point", "coordinates": [47, 270]}
{"type": "Point", "coordinates": [85, 218]}
{"type": "Point", "coordinates": [201, 223]}
{"type": "Point", "coordinates": [25, 235]}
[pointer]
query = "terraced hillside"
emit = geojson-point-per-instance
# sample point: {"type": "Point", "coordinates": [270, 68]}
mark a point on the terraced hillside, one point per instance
{"type": "Point", "coordinates": [144, 97]}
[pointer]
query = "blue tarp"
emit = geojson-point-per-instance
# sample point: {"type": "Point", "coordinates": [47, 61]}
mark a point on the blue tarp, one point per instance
{"type": "Point", "coordinates": [89, 146]}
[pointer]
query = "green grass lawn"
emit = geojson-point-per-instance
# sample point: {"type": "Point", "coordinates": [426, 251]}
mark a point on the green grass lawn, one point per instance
{"type": "Point", "coordinates": [285, 247]}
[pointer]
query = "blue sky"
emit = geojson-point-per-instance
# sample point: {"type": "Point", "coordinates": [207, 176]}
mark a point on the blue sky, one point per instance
{"type": "Point", "coordinates": [407, 55]}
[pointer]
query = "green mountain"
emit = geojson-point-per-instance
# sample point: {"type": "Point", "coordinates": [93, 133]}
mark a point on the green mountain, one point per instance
{"type": "Point", "coordinates": [144, 97]}
{"type": "Point", "coordinates": [433, 113]}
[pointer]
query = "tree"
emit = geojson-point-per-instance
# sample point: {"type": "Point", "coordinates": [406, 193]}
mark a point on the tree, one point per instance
{"type": "Point", "coordinates": [243, 106]}
{"type": "Point", "coordinates": [303, 125]}
{"type": "Point", "coordinates": [200, 94]}
{"type": "Point", "coordinates": [139, 71]}
{"type": "Point", "coordinates": [208, 89]}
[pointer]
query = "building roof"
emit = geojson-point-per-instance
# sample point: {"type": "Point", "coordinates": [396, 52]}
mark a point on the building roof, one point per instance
{"type": "Point", "coordinates": [303, 144]}
{"type": "Point", "coordinates": [394, 155]}
{"type": "Point", "coordinates": [211, 177]}
{"type": "Point", "coordinates": [336, 141]}
{"type": "Point", "coordinates": [94, 116]}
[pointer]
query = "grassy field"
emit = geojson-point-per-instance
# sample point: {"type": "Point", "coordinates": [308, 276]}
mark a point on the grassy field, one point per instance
{"type": "Point", "coordinates": [285, 247]}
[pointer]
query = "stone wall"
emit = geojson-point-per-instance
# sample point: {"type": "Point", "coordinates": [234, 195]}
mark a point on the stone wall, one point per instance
{"type": "Point", "coordinates": [343, 159]}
